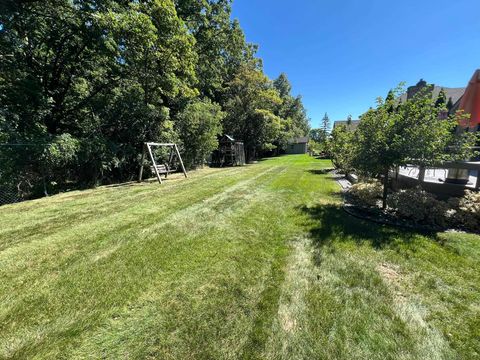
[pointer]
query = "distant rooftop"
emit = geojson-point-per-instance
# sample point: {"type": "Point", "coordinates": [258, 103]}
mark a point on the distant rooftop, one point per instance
{"type": "Point", "coordinates": [350, 124]}
{"type": "Point", "coordinates": [299, 140]}
{"type": "Point", "coordinates": [454, 93]}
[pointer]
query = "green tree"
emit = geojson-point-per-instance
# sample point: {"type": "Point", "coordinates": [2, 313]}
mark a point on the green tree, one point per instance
{"type": "Point", "coordinates": [282, 84]}
{"type": "Point", "coordinates": [250, 107]}
{"type": "Point", "coordinates": [341, 148]}
{"type": "Point", "coordinates": [199, 125]}
{"type": "Point", "coordinates": [316, 135]}
{"type": "Point", "coordinates": [441, 99]}
{"type": "Point", "coordinates": [99, 78]}
{"type": "Point", "coordinates": [291, 110]}
{"type": "Point", "coordinates": [220, 43]}
{"type": "Point", "coordinates": [414, 132]}
{"type": "Point", "coordinates": [449, 104]}
{"type": "Point", "coordinates": [108, 73]}
{"type": "Point", "coordinates": [325, 124]}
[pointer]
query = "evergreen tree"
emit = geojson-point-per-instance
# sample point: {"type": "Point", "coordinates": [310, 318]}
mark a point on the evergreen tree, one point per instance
{"type": "Point", "coordinates": [441, 99]}
{"type": "Point", "coordinates": [326, 124]}
{"type": "Point", "coordinates": [450, 104]}
{"type": "Point", "coordinates": [390, 99]}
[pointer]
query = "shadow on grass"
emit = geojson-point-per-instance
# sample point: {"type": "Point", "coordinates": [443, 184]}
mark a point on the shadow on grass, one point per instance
{"type": "Point", "coordinates": [329, 223]}
{"type": "Point", "coordinates": [320, 171]}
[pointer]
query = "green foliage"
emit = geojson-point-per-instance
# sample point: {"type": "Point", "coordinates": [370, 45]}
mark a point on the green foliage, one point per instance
{"type": "Point", "coordinates": [412, 132]}
{"type": "Point", "coordinates": [419, 206]}
{"type": "Point", "coordinates": [449, 104]}
{"type": "Point", "coordinates": [341, 148]}
{"type": "Point", "coordinates": [250, 107]}
{"type": "Point", "coordinates": [113, 74]}
{"type": "Point", "coordinates": [366, 193]}
{"type": "Point", "coordinates": [441, 99]}
{"type": "Point", "coordinates": [199, 125]}
{"type": "Point", "coordinates": [320, 137]}
{"type": "Point", "coordinates": [62, 151]}
{"type": "Point", "coordinates": [467, 211]}
{"type": "Point", "coordinates": [326, 123]}
{"type": "Point", "coordinates": [292, 112]}
{"type": "Point", "coordinates": [314, 147]}
{"type": "Point", "coordinates": [317, 135]}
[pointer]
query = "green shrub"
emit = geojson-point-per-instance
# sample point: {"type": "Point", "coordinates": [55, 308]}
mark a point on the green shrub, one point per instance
{"type": "Point", "coordinates": [62, 151]}
{"type": "Point", "coordinates": [366, 193]}
{"type": "Point", "coordinates": [420, 206]}
{"type": "Point", "coordinates": [468, 212]}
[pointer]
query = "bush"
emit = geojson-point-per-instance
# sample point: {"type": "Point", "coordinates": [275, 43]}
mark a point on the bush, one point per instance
{"type": "Point", "coordinates": [368, 193]}
{"type": "Point", "coordinates": [419, 206]}
{"type": "Point", "coordinates": [468, 211]}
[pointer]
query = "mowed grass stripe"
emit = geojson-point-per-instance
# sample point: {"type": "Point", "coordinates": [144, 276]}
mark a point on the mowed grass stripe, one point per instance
{"type": "Point", "coordinates": [73, 244]}
{"type": "Point", "coordinates": [255, 263]}
{"type": "Point", "coordinates": [171, 223]}
{"type": "Point", "coordinates": [157, 201]}
{"type": "Point", "coordinates": [83, 206]}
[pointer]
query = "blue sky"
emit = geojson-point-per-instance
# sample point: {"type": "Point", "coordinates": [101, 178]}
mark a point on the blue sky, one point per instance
{"type": "Point", "coordinates": [341, 55]}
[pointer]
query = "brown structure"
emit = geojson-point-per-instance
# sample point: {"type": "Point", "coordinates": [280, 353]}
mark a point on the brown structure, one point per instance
{"type": "Point", "coordinates": [174, 160]}
{"type": "Point", "coordinates": [453, 94]}
{"type": "Point", "coordinates": [229, 153]}
{"type": "Point", "coordinates": [351, 125]}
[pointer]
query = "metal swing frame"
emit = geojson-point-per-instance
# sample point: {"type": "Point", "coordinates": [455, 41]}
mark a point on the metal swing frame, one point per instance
{"type": "Point", "coordinates": [161, 169]}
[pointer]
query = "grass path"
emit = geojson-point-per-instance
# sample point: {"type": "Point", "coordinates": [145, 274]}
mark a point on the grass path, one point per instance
{"type": "Point", "coordinates": [256, 262]}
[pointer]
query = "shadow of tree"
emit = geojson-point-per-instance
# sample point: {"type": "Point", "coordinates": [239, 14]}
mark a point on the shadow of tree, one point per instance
{"type": "Point", "coordinates": [320, 171]}
{"type": "Point", "coordinates": [329, 223]}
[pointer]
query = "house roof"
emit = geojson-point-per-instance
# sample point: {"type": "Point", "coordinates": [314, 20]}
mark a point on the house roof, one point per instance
{"type": "Point", "coordinates": [299, 140]}
{"type": "Point", "coordinates": [351, 127]}
{"type": "Point", "coordinates": [454, 93]}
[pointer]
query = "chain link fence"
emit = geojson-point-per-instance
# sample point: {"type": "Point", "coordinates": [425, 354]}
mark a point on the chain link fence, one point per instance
{"type": "Point", "coordinates": [22, 172]}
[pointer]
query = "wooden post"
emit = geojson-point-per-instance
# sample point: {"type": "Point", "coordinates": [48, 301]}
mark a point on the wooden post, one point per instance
{"type": "Point", "coordinates": [154, 163]}
{"type": "Point", "coordinates": [170, 158]}
{"type": "Point", "coordinates": [180, 160]}
{"type": "Point", "coordinates": [140, 175]}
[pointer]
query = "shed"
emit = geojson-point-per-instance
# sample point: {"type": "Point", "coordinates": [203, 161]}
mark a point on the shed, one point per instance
{"type": "Point", "coordinates": [298, 145]}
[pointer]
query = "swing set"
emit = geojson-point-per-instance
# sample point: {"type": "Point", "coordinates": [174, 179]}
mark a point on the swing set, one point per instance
{"type": "Point", "coordinates": [171, 166]}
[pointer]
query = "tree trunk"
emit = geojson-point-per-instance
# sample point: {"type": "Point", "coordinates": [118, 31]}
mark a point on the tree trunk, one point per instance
{"type": "Point", "coordinates": [385, 188]}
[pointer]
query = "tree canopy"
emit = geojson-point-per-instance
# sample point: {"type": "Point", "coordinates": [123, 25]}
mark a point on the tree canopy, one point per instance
{"type": "Point", "coordinates": [396, 134]}
{"type": "Point", "coordinates": [90, 81]}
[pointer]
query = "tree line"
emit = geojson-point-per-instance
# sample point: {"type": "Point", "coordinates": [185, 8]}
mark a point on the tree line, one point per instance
{"type": "Point", "coordinates": [83, 83]}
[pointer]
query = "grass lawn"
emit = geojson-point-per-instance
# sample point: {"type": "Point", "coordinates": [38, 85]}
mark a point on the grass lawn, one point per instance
{"type": "Point", "coordinates": [258, 262]}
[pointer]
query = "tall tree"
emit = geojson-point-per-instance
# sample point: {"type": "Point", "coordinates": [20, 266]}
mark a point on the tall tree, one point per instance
{"type": "Point", "coordinates": [87, 68]}
{"type": "Point", "coordinates": [282, 84]}
{"type": "Point", "coordinates": [252, 100]}
{"type": "Point", "coordinates": [326, 124]}
{"type": "Point", "coordinates": [220, 43]}
{"type": "Point", "coordinates": [199, 125]}
{"type": "Point", "coordinates": [292, 111]}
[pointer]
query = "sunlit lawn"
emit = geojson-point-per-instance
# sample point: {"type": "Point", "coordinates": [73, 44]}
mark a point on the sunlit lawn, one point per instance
{"type": "Point", "coordinates": [252, 262]}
